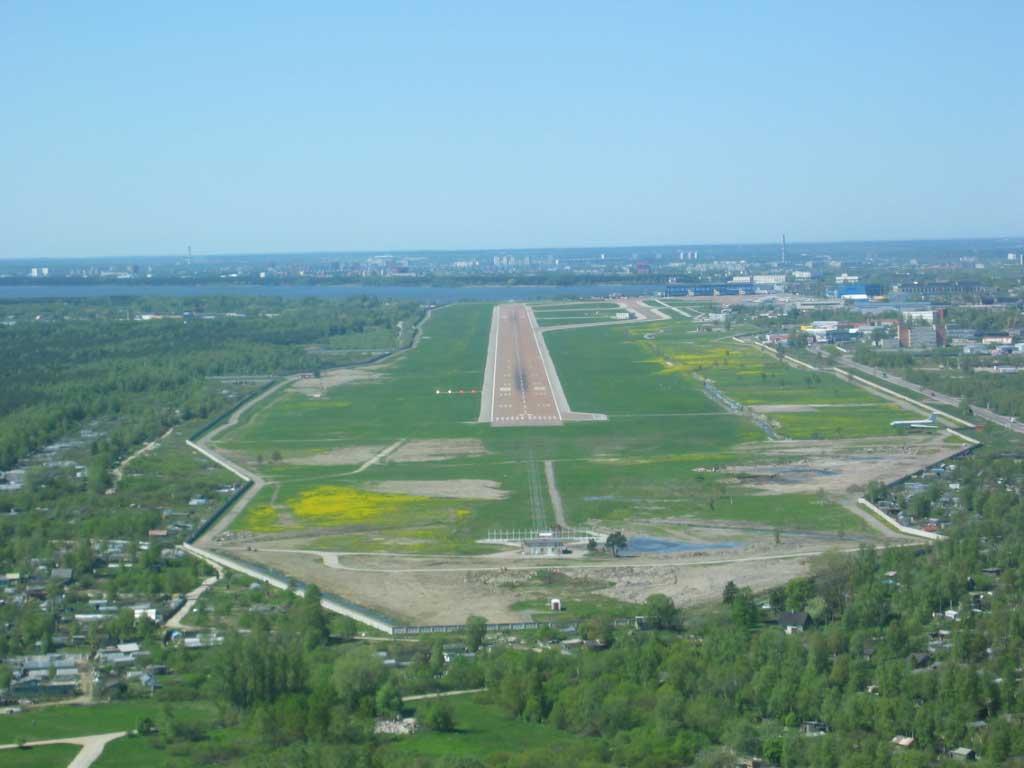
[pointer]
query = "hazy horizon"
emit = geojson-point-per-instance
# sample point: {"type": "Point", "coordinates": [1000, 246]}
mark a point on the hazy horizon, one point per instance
{"type": "Point", "coordinates": [323, 252]}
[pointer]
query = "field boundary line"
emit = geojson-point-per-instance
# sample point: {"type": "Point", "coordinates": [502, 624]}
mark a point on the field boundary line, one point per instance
{"type": "Point", "coordinates": [677, 310]}
{"type": "Point", "coordinates": [490, 369]}
{"type": "Point", "coordinates": [864, 383]}
{"type": "Point", "coordinates": [915, 532]}
{"type": "Point", "coordinates": [852, 377]}
{"type": "Point", "coordinates": [258, 573]}
{"type": "Point", "coordinates": [253, 483]}
{"type": "Point", "coordinates": [924, 406]}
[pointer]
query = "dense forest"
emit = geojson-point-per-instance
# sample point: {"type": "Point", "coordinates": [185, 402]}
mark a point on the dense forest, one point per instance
{"type": "Point", "coordinates": [67, 362]}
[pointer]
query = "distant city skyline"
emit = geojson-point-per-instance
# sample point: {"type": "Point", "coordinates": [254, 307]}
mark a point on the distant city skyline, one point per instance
{"type": "Point", "coordinates": [262, 130]}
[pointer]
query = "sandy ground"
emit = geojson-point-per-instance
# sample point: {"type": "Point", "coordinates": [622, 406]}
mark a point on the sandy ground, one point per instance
{"type": "Point", "coordinates": [399, 452]}
{"type": "Point", "coordinates": [437, 450]}
{"type": "Point", "coordinates": [333, 378]}
{"type": "Point", "coordinates": [353, 454]}
{"type": "Point", "coordinates": [447, 589]}
{"type": "Point", "coordinates": [487, 490]}
{"type": "Point", "coordinates": [837, 466]}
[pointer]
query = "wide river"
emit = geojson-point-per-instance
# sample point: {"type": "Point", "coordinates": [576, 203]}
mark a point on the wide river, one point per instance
{"type": "Point", "coordinates": [422, 293]}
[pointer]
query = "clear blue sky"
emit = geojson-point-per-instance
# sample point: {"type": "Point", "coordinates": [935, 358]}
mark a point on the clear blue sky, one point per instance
{"type": "Point", "coordinates": [140, 128]}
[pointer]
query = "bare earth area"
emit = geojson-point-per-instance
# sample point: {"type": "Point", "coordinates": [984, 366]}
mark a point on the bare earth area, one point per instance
{"type": "Point", "coordinates": [486, 490]}
{"type": "Point", "coordinates": [314, 387]}
{"type": "Point", "coordinates": [837, 466]}
{"type": "Point", "coordinates": [421, 589]}
{"type": "Point", "coordinates": [437, 450]}
{"type": "Point", "coordinates": [353, 454]}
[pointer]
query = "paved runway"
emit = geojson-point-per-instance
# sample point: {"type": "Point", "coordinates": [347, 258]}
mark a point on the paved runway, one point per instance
{"type": "Point", "coordinates": [520, 390]}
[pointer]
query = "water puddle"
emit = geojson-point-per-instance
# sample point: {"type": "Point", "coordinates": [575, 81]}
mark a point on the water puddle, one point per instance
{"type": "Point", "coordinates": [647, 545]}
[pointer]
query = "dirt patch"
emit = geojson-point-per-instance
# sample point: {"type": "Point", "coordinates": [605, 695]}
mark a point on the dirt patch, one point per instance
{"type": "Point", "coordinates": [438, 589]}
{"type": "Point", "coordinates": [692, 586]}
{"type": "Point", "coordinates": [437, 450]}
{"type": "Point", "coordinates": [836, 466]}
{"type": "Point", "coordinates": [315, 387]}
{"type": "Point", "coordinates": [807, 407]}
{"type": "Point", "coordinates": [353, 454]}
{"type": "Point", "coordinates": [485, 490]}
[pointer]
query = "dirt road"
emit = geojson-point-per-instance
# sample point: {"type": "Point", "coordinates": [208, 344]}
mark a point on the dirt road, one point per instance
{"type": "Point", "coordinates": [175, 621]}
{"type": "Point", "coordinates": [556, 497]}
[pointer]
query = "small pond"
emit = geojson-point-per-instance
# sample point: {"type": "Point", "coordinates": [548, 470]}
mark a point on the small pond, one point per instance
{"type": "Point", "coordinates": [646, 545]}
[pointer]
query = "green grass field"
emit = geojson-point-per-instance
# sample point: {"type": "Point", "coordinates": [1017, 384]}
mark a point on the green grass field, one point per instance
{"type": "Point", "coordinates": [640, 463]}
{"type": "Point", "coordinates": [577, 318]}
{"type": "Point", "coordinates": [66, 721]}
{"type": "Point", "coordinates": [481, 731]}
{"type": "Point", "coordinates": [571, 306]}
{"type": "Point", "coordinates": [50, 756]}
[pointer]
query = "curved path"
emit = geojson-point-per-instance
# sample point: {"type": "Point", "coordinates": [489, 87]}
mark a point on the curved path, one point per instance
{"type": "Point", "coordinates": [91, 746]}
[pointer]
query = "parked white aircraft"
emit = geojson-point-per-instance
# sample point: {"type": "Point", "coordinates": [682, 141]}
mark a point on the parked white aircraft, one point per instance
{"type": "Point", "coordinates": [929, 423]}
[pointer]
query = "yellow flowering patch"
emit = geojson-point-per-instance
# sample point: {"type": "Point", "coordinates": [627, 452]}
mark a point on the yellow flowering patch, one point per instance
{"type": "Point", "coordinates": [344, 505]}
{"type": "Point", "coordinates": [711, 358]}
{"type": "Point", "coordinates": [260, 519]}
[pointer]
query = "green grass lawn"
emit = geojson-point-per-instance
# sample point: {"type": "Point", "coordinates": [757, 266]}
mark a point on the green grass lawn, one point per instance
{"type": "Point", "coordinates": [219, 747]}
{"type": "Point", "coordinates": [482, 730]}
{"type": "Point", "coordinates": [638, 463]}
{"type": "Point", "coordinates": [574, 609]}
{"type": "Point", "coordinates": [64, 721]}
{"type": "Point", "coordinates": [569, 306]}
{"type": "Point", "coordinates": [835, 423]}
{"type": "Point", "coordinates": [576, 318]}
{"type": "Point", "coordinates": [51, 756]}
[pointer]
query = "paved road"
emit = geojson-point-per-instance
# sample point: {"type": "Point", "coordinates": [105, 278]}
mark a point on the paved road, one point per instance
{"type": "Point", "coordinates": [91, 746]}
{"type": "Point", "coordinates": [982, 413]}
{"type": "Point", "coordinates": [644, 313]}
{"type": "Point", "coordinates": [521, 392]}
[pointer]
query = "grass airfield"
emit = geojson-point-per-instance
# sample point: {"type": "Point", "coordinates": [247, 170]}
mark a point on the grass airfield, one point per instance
{"type": "Point", "coordinates": [390, 464]}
